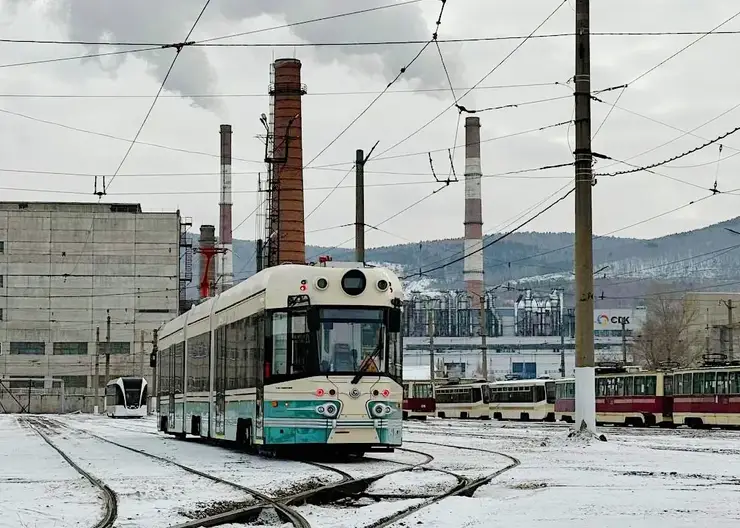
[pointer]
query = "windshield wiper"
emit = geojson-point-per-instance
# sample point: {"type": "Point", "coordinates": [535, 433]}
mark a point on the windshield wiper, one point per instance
{"type": "Point", "coordinates": [368, 360]}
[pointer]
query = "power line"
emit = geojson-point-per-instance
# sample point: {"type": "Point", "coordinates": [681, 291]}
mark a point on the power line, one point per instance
{"type": "Point", "coordinates": [80, 57]}
{"type": "Point", "coordinates": [661, 63]}
{"type": "Point", "coordinates": [674, 158]}
{"type": "Point", "coordinates": [375, 100]}
{"type": "Point", "coordinates": [178, 48]}
{"type": "Point", "coordinates": [456, 103]}
{"type": "Point", "coordinates": [265, 94]}
{"type": "Point", "coordinates": [494, 241]}
{"type": "Point", "coordinates": [208, 43]}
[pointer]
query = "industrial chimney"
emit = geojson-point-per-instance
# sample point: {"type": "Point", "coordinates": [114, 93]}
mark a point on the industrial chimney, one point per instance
{"type": "Point", "coordinates": [226, 258]}
{"type": "Point", "coordinates": [207, 251]}
{"type": "Point", "coordinates": [473, 264]}
{"type": "Point", "coordinates": [286, 241]}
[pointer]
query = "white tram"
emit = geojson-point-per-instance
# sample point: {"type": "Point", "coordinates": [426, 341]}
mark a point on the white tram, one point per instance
{"type": "Point", "coordinates": [294, 356]}
{"type": "Point", "coordinates": [126, 398]}
{"type": "Point", "coordinates": [529, 399]}
{"type": "Point", "coordinates": [463, 400]}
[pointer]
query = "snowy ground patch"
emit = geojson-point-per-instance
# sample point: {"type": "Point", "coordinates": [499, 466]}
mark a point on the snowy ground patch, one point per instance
{"type": "Point", "coordinates": [412, 483]}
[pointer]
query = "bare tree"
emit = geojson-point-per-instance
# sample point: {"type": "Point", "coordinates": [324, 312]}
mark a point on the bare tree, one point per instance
{"type": "Point", "coordinates": [668, 335]}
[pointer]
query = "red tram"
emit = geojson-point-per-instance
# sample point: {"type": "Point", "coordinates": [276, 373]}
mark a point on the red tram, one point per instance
{"type": "Point", "coordinates": [418, 399]}
{"type": "Point", "coordinates": [707, 396]}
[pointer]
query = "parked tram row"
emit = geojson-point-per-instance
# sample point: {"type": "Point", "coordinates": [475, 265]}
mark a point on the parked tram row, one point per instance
{"type": "Point", "coordinates": [701, 397]}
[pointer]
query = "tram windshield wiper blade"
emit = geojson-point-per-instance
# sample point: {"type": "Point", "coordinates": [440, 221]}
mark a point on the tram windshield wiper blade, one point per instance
{"type": "Point", "coordinates": [368, 360]}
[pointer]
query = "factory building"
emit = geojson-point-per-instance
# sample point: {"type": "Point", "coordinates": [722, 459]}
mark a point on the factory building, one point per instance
{"type": "Point", "coordinates": [73, 274]}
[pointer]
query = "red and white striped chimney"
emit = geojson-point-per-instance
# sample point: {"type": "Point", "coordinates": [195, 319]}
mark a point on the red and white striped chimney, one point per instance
{"type": "Point", "coordinates": [225, 279]}
{"type": "Point", "coordinates": [473, 264]}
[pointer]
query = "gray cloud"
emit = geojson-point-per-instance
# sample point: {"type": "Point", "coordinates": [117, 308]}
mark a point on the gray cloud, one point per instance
{"type": "Point", "coordinates": [169, 21]}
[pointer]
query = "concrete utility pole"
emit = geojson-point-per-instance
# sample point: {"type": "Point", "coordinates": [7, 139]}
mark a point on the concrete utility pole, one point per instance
{"type": "Point", "coordinates": [730, 345]}
{"type": "Point", "coordinates": [431, 346]}
{"type": "Point", "coordinates": [155, 350]}
{"type": "Point", "coordinates": [107, 349]}
{"type": "Point", "coordinates": [562, 345]}
{"type": "Point", "coordinates": [584, 266]}
{"type": "Point", "coordinates": [96, 377]}
{"type": "Point", "coordinates": [624, 342]}
{"type": "Point", "coordinates": [359, 206]}
{"type": "Point", "coordinates": [141, 370]}
{"type": "Point", "coordinates": [483, 335]}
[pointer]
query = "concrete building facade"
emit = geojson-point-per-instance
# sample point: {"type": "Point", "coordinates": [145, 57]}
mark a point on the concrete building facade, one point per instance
{"type": "Point", "coordinates": [64, 269]}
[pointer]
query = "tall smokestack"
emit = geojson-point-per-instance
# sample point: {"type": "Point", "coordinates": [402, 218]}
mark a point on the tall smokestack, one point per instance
{"type": "Point", "coordinates": [206, 248]}
{"type": "Point", "coordinates": [226, 259]}
{"type": "Point", "coordinates": [473, 264]}
{"type": "Point", "coordinates": [287, 165]}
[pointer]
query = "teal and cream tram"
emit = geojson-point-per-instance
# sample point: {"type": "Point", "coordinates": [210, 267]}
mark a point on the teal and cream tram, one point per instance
{"type": "Point", "coordinates": [293, 356]}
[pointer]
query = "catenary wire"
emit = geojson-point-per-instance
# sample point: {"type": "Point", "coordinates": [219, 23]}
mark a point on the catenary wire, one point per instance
{"type": "Point", "coordinates": [481, 81]}
{"type": "Point", "coordinates": [178, 49]}
{"type": "Point", "coordinates": [661, 63]}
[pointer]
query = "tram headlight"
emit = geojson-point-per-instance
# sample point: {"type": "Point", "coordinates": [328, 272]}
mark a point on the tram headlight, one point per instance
{"type": "Point", "coordinates": [320, 409]}
{"type": "Point", "coordinates": [378, 410]}
{"type": "Point", "coordinates": [331, 410]}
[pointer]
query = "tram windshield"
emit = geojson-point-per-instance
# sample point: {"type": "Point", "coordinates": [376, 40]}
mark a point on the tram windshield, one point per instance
{"type": "Point", "coordinates": [346, 340]}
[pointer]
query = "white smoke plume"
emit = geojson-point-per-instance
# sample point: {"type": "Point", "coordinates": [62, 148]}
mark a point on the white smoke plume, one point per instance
{"type": "Point", "coordinates": [170, 20]}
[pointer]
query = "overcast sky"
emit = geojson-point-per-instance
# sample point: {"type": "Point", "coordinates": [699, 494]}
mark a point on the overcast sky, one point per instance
{"type": "Point", "coordinates": [111, 95]}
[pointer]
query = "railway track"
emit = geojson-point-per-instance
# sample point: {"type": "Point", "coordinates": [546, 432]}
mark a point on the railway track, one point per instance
{"type": "Point", "coordinates": [465, 488]}
{"type": "Point", "coordinates": [251, 512]}
{"type": "Point", "coordinates": [347, 488]}
{"type": "Point", "coordinates": [110, 506]}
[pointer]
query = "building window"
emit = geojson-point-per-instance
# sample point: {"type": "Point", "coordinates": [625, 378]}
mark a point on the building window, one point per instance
{"type": "Point", "coordinates": [2, 285]}
{"type": "Point", "coordinates": [35, 383]}
{"type": "Point", "coordinates": [27, 348]}
{"type": "Point", "coordinates": [116, 347]}
{"type": "Point", "coordinates": [74, 382]}
{"type": "Point", "coordinates": [1, 314]}
{"type": "Point", "coordinates": [2, 247]}
{"type": "Point", "coordinates": [70, 349]}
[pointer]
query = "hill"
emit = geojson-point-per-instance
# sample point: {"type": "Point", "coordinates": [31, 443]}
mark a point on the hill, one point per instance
{"type": "Point", "coordinates": [698, 258]}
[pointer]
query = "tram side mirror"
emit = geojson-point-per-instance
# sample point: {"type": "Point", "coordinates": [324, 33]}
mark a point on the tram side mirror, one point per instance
{"type": "Point", "coordinates": [313, 320]}
{"type": "Point", "coordinates": [394, 320]}
{"type": "Point", "coordinates": [153, 359]}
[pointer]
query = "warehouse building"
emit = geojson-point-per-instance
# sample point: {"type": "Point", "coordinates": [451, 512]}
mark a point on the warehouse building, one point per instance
{"type": "Point", "coordinates": [78, 279]}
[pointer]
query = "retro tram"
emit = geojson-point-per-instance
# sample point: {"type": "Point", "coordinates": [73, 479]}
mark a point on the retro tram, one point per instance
{"type": "Point", "coordinates": [294, 357]}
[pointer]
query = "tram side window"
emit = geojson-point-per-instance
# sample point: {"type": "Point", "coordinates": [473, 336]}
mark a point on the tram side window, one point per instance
{"type": "Point", "coordinates": [235, 337]}
{"type": "Point", "coordinates": [619, 387]}
{"type": "Point", "coordinates": [179, 370]}
{"type": "Point", "coordinates": [687, 386]}
{"type": "Point", "coordinates": [601, 387]}
{"type": "Point", "coordinates": [477, 395]}
{"type": "Point", "coordinates": [163, 362]}
{"type": "Point", "coordinates": [710, 386]}
{"type": "Point", "coordinates": [629, 386]}
{"type": "Point", "coordinates": [395, 354]}
{"type": "Point", "coordinates": [678, 384]}
{"type": "Point", "coordinates": [651, 383]}
{"type": "Point", "coordinates": [254, 351]}
{"type": "Point", "coordinates": [570, 390]}
{"type": "Point", "coordinates": [421, 390]}
{"type": "Point", "coordinates": [199, 348]}
{"type": "Point", "coordinates": [734, 382]}
{"type": "Point", "coordinates": [668, 386]}
{"type": "Point", "coordinates": [279, 343]}
{"type": "Point", "coordinates": [301, 345]}
{"type": "Point", "coordinates": [539, 393]}
{"type": "Point", "coordinates": [486, 392]}
{"type": "Point", "coordinates": [698, 382]}
{"type": "Point", "coordinates": [406, 391]}
{"type": "Point", "coordinates": [550, 392]}
{"type": "Point", "coordinates": [722, 387]}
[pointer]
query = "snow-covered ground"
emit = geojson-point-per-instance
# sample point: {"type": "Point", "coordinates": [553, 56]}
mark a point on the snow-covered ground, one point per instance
{"type": "Point", "coordinates": [638, 478]}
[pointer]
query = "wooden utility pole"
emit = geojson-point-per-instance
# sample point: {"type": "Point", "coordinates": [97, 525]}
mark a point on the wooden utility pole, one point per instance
{"type": "Point", "coordinates": [359, 206]}
{"type": "Point", "coordinates": [483, 335]}
{"type": "Point", "coordinates": [584, 267]}
{"type": "Point", "coordinates": [730, 345]}
{"type": "Point", "coordinates": [107, 350]}
{"type": "Point", "coordinates": [96, 377]}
